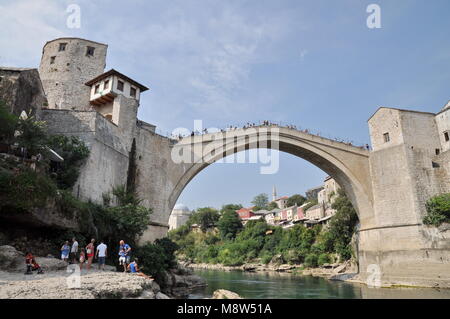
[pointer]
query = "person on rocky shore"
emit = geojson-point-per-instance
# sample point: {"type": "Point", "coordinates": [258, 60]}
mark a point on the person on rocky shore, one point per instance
{"type": "Point", "coordinates": [101, 254]}
{"type": "Point", "coordinates": [74, 251]}
{"type": "Point", "coordinates": [90, 252]}
{"type": "Point", "coordinates": [82, 258]}
{"type": "Point", "coordinates": [124, 255]}
{"type": "Point", "coordinates": [65, 250]}
{"type": "Point", "coordinates": [134, 269]}
{"type": "Point", "coordinates": [31, 264]}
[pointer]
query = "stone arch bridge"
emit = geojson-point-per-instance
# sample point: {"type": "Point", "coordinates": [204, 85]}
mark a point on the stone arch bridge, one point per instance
{"type": "Point", "coordinates": [348, 164]}
{"type": "Point", "coordinates": [392, 242]}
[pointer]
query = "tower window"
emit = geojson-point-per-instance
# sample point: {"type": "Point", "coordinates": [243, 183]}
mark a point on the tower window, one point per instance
{"type": "Point", "coordinates": [133, 92]}
{"type": "Point", "coordinates": [120, 85]}
{"type": "Point", "coordinates": [62, 47]}
{"type": "Point", "coordinates": [106, 85]}
{"type": "Point", "coordinates": [446, 136]}
{"type": "Point", "coordinates": [97, 88]}
{"type": "Point", "coordinates": [438, 151]}
{"type": "Point", "coordinates": [52, 59]}
{"type": "Point", "coordinates": [90, 51]}
{"type": "Point", "coordinates": [386, 137]}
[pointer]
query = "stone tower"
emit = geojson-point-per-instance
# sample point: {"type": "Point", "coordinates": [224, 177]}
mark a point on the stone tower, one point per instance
{"type": "Point", "coordinates": [66, 65]}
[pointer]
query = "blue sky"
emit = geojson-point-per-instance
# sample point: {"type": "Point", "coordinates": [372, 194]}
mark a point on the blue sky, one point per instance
{"type": "Point", "coordinates": [312, 63]}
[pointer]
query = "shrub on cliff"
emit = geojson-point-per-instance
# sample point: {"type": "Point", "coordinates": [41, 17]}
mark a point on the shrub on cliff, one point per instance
{"type": "Point", "coordinates": [438, 210]}
{"type": "Point", "coordinates": [74, 151]}
{"type": "Point", "coordinates": [156, 258]}
{"type": "Point", "coordinates": [25, 189]}
{"type": "Point", "coordinates": [8, 123]}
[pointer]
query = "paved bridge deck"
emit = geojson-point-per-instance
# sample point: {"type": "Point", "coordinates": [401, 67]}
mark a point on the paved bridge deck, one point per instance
{"type": "Point", "coordinates": [281, 132]}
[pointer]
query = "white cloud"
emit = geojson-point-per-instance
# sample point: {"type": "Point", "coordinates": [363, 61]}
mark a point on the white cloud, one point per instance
{"type": "Point", "coordinates": [197, 57]}
{"type": "Point", "coordinates": [26, 26]}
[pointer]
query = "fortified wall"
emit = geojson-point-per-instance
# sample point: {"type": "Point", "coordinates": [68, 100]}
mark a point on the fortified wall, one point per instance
{"type": "Point", "coordinates": [101, 108]}
{"type": "Point", "coordinates": [410, 163]}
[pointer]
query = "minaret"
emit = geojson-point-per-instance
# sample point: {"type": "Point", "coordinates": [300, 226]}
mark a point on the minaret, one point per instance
{"type": "Point", "coordinates": [274, 193]}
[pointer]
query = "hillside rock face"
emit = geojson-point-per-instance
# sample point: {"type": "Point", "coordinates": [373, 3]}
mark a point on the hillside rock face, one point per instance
{"type": "Point", "coordinates": [21, 89]}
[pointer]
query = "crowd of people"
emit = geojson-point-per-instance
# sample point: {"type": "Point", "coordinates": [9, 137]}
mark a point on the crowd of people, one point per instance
{"type": "Point", "coordinates": [85, 256]}
{"type": "Point", "coordinates": [267, 123]}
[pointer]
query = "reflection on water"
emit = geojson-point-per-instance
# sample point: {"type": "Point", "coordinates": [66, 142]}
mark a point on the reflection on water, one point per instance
{"type": "Point", "coordinates": [288, 286]}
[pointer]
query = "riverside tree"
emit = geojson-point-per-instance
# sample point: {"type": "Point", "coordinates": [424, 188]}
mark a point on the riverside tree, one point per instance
{"type": "Point", "coordinates": [205, 217]}
{"type": "Point", "coordinates": [229, 223]}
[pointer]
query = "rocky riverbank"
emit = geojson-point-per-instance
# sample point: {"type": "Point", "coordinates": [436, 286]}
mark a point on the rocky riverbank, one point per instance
{"type": "Point", "coordinates": [346, 271]}
{"type": "Point", "coordinates": [92, 285]}
{"type": "Point", "coordinates": [59, 283]}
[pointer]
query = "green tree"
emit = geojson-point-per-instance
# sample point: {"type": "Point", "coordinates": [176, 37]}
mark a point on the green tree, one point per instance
{"type": "Point", "coordinates": [296, 199]}
{"type": "Point", "coordinates": [342, 225]}
{"type": "Point", "coordinates": [205, 217]}
{"type": "Point", "coordinates": [272, 205]}
{"type": "Point", "coordinates": [229, 224]}
{"type": "Point", "coordinates": [74, 151]}
{"type": "Point", "coordinates": [32, 135]}
{"type": "Point", "coordinates": [8, 123]}
{"type": "Point", "coordinates": [260, 201]}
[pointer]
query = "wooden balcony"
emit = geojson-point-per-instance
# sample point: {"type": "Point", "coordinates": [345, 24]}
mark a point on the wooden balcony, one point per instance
{"type": "Point", "coordinates": [103, 99]}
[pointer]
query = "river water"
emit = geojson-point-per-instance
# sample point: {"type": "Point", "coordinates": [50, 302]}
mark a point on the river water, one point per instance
{"type": "Point", "coordinates": [289, 286]}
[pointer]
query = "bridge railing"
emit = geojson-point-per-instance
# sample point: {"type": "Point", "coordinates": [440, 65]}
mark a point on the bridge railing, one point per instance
{"type": "Point", "coordinates": [281, 124]}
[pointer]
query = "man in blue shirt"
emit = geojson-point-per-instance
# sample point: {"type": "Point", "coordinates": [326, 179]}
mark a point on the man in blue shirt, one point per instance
{"type": "Point", "coordinates": [124, 255]}
{"type": "Point", "coordinates": [134, 269]}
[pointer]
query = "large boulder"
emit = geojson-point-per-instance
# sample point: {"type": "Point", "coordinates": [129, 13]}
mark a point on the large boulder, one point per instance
{"type": "Point", "coordinates": [160, 295]}
{"type": "Point", "coordinates": [51, 264]}
{"type": "Point", "coordinates": [10, 258]}
{"type": "Point", "coordinates": [180, 285]}
{"type": "Point", "coordinates": [276, 260]}
{"type": "Point", "coordinates": [225, 294]}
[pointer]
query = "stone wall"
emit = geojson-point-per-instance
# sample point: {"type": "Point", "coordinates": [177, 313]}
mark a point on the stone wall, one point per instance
{"type": "Point", "coordinates": [405, 173]}
{"type": "Point", "coordinates": [64, 79]}
{"type": "Point", "coordinates": [107, 165]}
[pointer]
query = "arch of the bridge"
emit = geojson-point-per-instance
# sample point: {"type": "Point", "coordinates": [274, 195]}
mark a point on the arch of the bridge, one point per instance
{"type": "Point", "coordinates": [325, 157]}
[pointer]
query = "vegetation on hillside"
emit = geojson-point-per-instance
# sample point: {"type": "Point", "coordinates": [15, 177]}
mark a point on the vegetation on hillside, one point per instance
{"type": "Point", "coordinates": [231, 245]}
{"type": "Point", "coordinates": [438, 210]}
{"type": "Point", "coordinates": [49, 185]}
